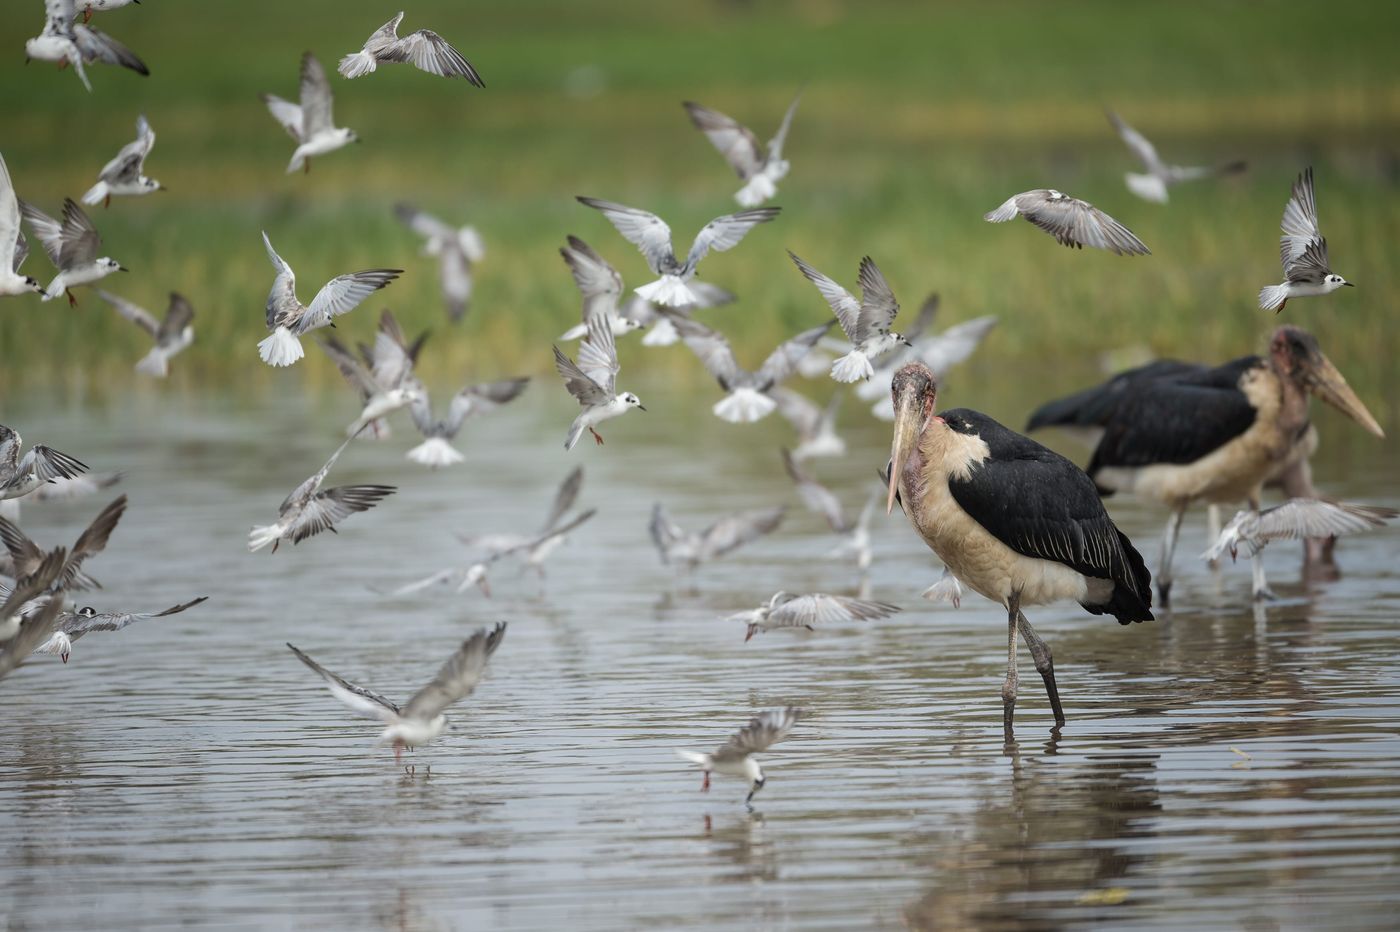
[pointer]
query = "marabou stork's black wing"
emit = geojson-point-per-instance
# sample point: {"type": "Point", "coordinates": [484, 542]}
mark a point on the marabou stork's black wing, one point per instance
{"type": "Point", "coordinates": [1042, 505]}
{"type": "Point", "coordinates": [1176, 420]}
{"type": "Point", "coordinates": [1092, 407]}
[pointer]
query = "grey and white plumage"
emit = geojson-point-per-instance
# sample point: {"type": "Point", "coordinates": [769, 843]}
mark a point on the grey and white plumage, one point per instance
{"type": "Point", "coordinates": [593, 381]}
{"type": "Point", "coordinates": [72, 248]}
{"type": "Point", "coordinates": [746, 399]}
{"type": "Point", "coordinates": [457, 249]}
{"type": "Point", "coordinates": [735, 758]}
{"type": "Point", "coordinates": [436, 450]}
{"type": "Point", "coordinates": [821, 501]}
{"type": "Point", "coordinates": [124, 175]}
{"type": "Point", "coordinates": [384, 385]}
{"type": "Point", "coordinates": [310, 123]}
{"type": "Point", "coordinates": [13, 247]}
{"type": "Point", "coordinates": [759, 167]}
{"type": "Point", "coordinates": [600, 285]}
{"type": "Point", "coordinates": [73, 625]}
{"type": "Point", "coordinates": [27, 588]}
{"type": "Point", "coordinates": [552, 533]}
{"type": "Point", "coordinates": [650, 234]}
{"type": "Point", "coordinates": [34, 629]}
{"type": "Point", "coordinates": [1296, 519]}
{"type": "Point", "coordinates": [309, 510]}
{"type": "Point", "coordinates": [171, 334]}
{"type": "Point", "coordinates": [815, 425]}
{"type": "Point", "coordinates": [866, 322]}
{"type": "Point", "coordinates": [807, 611]}
{"type": "Point", "coordinates": [421, 718]}
{"type": "Point", "coordinates": [1072, 222]}
{"type": "Point", "coordinates": [946, 589]}
{"type": "Point", "coordinates": [939, 351]}
{"type": "Point", "coordinates": [1161, 175]}
{"type": "Point", "coordinates": [26, 557]}
{"type": "Point", "coordinates": [71, 43]}
{"type": "Point", "coordinates": [659, 331]}
{"type": "Point", "coordinates": [21, 475]}
{"type": "Point", "coordinates": [68, 490]}
{"type": "Point", "coordinates": [89, 7]}
{"type": "Point", "coordinates": [688, 549]}
{"type": "Point", "coordinates": [288, 318]}
{"type": "Point", "coordinates": [1303, 250]}
{"type": "Point", "coordinates": [424, 49]}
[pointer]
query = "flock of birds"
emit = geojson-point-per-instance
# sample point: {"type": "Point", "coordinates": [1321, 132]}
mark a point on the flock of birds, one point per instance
{"type": "Point", "coordinates": [1010, 519]}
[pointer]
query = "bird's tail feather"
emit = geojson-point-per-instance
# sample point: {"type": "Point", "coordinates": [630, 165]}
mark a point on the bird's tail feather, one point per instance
{"type": "Point", "coordinates": [852, 367]}
{"type": "Point", "coordinates": [759, 189]}
{"type": "Point", "coordinates": [693, 757]}
{"type": "Point", "coordinates": [435, 453]}
{"type": "Point", "coordinates": [575, 432]}
{"type": "Point", "coordinates": [260, 537]}
{"type": "Point", "coordinates": [357, 64]}
{"type": "Point", "coordinates": [95, 194]}
{"type": "Point", "coordinates": [661, 333]}
{"type": "Point", "coordinates": [1273, 297]}
{"type": "Point", "coordinates": [281, 348]}
{"type": "Point", "coordinates": [669, 290]}
{"type": "Point", "coordinates": [744, 406]}
{"type": "Point", "coordinates": [154, 363]}
{"type": "Point", "coordinates": [1147, 187]}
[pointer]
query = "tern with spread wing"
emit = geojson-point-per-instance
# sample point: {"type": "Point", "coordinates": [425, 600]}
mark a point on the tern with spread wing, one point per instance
{"type": "Point", "coordinates": [72, 248]}
{"type": "Point", "coordinates": [759, 167]}
{"type": "Point", "coordinates": [1296, 519]}
{"type": "Point", "coordinates": [424, 49]}
{"type": "Point", "coordinates": [551, 535]}
{"type": "Point", "coordinates": [436, 450]}
{"type": "Point", "coordinates": [1303, 249]}
{"type": "Point", "coordinates": [289, 319]}
{"type": "Point", "coordinates": [171, 334]}
{"type": "Point", "coordinates": [650, 234]}
{"type": "Point", "coordinates": [600, 286]}
{"type": "Point", "coordinates": [28, 587]}
{"type": "Point", "coordinates": [13, 247]}
{"type": "Point", "coordinates": [34, 629]}
{"type": "Point", "coordinates": [311, 123]}
{"type": "Point", "coordinates": [815, 426]}
{"type": "Point", "coordinates": [735, 758]}
{"type": "Point", "coordinates": [867, 322]}
{"type": "Point", "coordinates": [308, 510]}
{"type": "Point", "coordinates": [1072, 222]}
{"type": "Point", "coordinates": [939, 351]}
{"type": "Point", "coordinates": [421, 719]}
{"type": "Point", "coordinates": [21, 475]}
{"type": "Point", "coordinates": [747, 399]}
{"type": "Point", "coordinates": [688, 549]}
{"type": "Point", "coordinates": [73, 625]}
{"type": "Point", "coordinates": [808, 611]}
{"type": "Point", "coordinates": [123, 175]}
{"type": "Point", "coordinates": [1160, 175]}
{"type": "Point", "coordinates": [593, 382]}
{"type": "Point", "coordinates": [25, 556]}
{"type": "Point", "coordinates": [72, 43]}
{"type": "Point", "coordinates": [385, 386]}
{"type": "Point", "coordinates": [457, 249]}
{"type": "Point", "coordinates": [67, 490]}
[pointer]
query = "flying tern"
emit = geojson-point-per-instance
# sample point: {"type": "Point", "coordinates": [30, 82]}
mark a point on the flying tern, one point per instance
{"type": "Point", "coordinates": [1072, 222]}
{"type": "Point", "coordinates": [436, 450]}
{"type": "Point", "coordinates": [866, 322]}
{"type": "Point", "coordinates": [123, 175]}
{"type": "Point", "coordinates": [172, 334]}
{"type": "Point", "coordinates": [41, 465]}
{"type": "Point", "coordinates": [25, 556]}
{"type": "Point", "coordinates": [308, 510]}
{"type": "Point", "coordinates": [759, 167]}
{"type": "Point", "coordinates": [13, 247]}
{"type": "Point", "coordinates": [424, 49]}
{"type": "Point", "coordinates": [735, 757]}
{"type": "Point", "coordinates": [600, 286]}
{"type": "Point", "coordinates": [1303, 249]}
{"type": "Point", "coordinates": [808, 611]}
{"type": "Point", "coordinates": [72, 248]}
{"type": "Point", "coordinates": [593, 382]}
{"type": "Point", "coordinates": [310, 124]}
{"type": "Point", "coordinates": [457, 249]}
{"type": "Point", "coordinates": [1160, 175]}
{"type": "Point", "coordinates": [1296, 518]}
{"type": "Point", "coordinates": [688, 549]}
{"type": "Point", "coordinates": [73, 625]}
{"type": "Point", "coordinates": [71, 43]}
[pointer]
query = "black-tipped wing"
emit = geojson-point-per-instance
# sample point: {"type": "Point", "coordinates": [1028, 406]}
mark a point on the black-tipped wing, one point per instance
{"type": "Point", "coordinates": [782, 362]}
{"type": "Point", "coordinates": [734, 141]}
{"type": "Point", "coordinates": [807, 611]}
{"type": "Point", "coordinates": [458, 676]}
{"type": "Point", "coordinates": [735, 530]}
{"type": "Point", "coordinates": [329, 508]}
{"type": "Point", "coordinates": [75, 625]}
{"type": "Point", "coordinates": [564, 499]}
{"type": "Point", "coordinates": [364, 701]}
{"type": "Point", "coordinates": [762, 732]}
{"type": "Point", "coordinates": [33, 631]}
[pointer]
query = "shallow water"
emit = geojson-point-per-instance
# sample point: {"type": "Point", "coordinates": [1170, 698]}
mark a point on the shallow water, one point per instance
{"type": "Point", "coordinates": [1220, 768]}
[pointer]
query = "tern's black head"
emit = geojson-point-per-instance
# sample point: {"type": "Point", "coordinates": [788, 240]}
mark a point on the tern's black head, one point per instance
{"type": "Point", "coordinates": [87, 611]}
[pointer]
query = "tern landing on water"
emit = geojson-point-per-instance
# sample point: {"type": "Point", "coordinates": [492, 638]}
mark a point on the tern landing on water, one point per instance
{"type": "Point", "coordinates": [808, 611]}
{"type": "Point", "coordinates": [424, 49]}
{"type": "Point", "coordinates": [1072, 222]}
{"type": "Point", "coordinates": [1160, 175]}
{"type": "Point", "coordinates": [866, 322]}
{"type": "Point", "coordinates": [19, 477]}
{"type": "Point", "coordinates": [759, 168]}
{"type": "Point", "coordinates": [735, 757]}
{"type": "Point", "coordinates": [688, 549]}
{"type": "Point", "coordinates": [25, 556]}
{"type": "Point", "coordinates": [71, 43]}
{"type": "Point", "coordinates": [1295, 519]}
{"type": "Point", "coordinates": [1303, 250]}
{"type": "Point", "coordinates": [311, 124]}
{"type": "Point", "coordinates": [288, 318]}
{"type": "Point", "coordinates": [421, 719]}
{"type": "Point", "coordinates": [457, 250]}
{"type": "Point", "coordinates": [747, 399]}
{"type": "Point", "coordinates": [122, 176]}
{"type": "Point", "coordinates": [172, 334]}
{"type": "Point", "coordinates": [593, 381]}
{"type": "Point", "coordinates": [436, 450]}
{"type": "Point", "coordinates": [72, 248]}
{"type": "Point", "coordinates": [601, 287]}
{"type": "Point", "coordinates": [13, 248]}
{"type": "Point", "coordinates": [309, 511]}
{"type": "Point", "coordinates": [652, 236]}
{"type": "Point", "coordinates": [73, 625]}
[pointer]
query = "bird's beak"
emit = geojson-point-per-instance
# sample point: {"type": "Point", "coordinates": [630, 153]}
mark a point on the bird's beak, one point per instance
{"type": "Point", "coordinates": [122, 268]}
{"type": "Point", "coordinates": [641, 407]}
{"type": "Point", "coordinates": [1349, 284]}
{"type": "Point", "coordinates": [1329, 385]}
{"type": "Point", "coordinates": [907, 418]}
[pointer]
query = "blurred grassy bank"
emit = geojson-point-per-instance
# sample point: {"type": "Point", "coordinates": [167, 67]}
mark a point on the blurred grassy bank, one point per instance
{"type": "Point", "coordinates": [917, 118]}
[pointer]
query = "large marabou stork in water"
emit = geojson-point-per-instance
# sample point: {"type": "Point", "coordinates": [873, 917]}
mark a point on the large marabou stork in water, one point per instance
{"type": "Point", "coordinates": [1217, 435]}
{"type": "Point", "coordinates": [1010, 519]}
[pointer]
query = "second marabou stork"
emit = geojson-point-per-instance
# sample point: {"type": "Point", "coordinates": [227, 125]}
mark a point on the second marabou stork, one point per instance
{"type": "Point", "coordinates": [1217, 435]}
{"type": "Point", "coordinates": [1011, 519]}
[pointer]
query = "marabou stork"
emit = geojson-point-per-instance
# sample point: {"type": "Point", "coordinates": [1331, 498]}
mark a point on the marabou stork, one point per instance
{"type": "Point", "coordinates": [1010, 519]}
{"type": "Point", "coordinates": [1217, 435]}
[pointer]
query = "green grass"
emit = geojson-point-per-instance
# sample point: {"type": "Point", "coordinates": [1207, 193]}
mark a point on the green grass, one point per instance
{"type": "Point", "coordinates": [917, 119]}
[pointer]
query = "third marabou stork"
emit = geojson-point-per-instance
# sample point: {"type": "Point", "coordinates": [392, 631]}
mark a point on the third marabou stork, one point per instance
{"type": "Point", "coordinates": [1010, 519]}
{"type": "Point", "coordinates": [1217, 435]}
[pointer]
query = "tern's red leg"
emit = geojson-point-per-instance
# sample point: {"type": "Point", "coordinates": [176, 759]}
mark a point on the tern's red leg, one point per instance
{"type": "Point", "coordinates": [72, 301]}
{"type": "Point", "coordinates": [306, 167]}
{"type": "Point", "coordinates": [705, 787]}
{"type": "Point", "coordinates": [107, 201]}
{"type": "Point", "coordinates": [87, 16]}
{"type": "Point", "coordinates": [398, 752]}
{"type": "Point", "coordinates": [596, 436]}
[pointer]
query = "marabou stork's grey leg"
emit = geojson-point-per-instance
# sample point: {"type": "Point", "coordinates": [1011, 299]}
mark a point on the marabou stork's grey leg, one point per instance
{"type": "Point", "coordinates": [1261, 585]}
{"type": "Point", "coordinates": [1164, 565]}
{"type": "Point", "coordinates": [1008, 688]}
{"type": "Point", "coordinates": [1213, 533]}
{"type": "Point", "coordinates": [1044, 665]}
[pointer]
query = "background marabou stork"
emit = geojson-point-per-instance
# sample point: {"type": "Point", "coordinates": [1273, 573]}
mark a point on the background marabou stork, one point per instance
{"type": "Point", "coordinates": [1010, 519]}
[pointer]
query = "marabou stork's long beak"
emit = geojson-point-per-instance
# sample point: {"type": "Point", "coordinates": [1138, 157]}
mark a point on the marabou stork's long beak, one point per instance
{"type": "Point", "coordinates": [908, 419]}
{"type": "Point", "coordinates": [1329, 385]}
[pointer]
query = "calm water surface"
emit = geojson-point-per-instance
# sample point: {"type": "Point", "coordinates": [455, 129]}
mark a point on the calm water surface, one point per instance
{"type": "Point", "coordinates": [1220, 769]}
